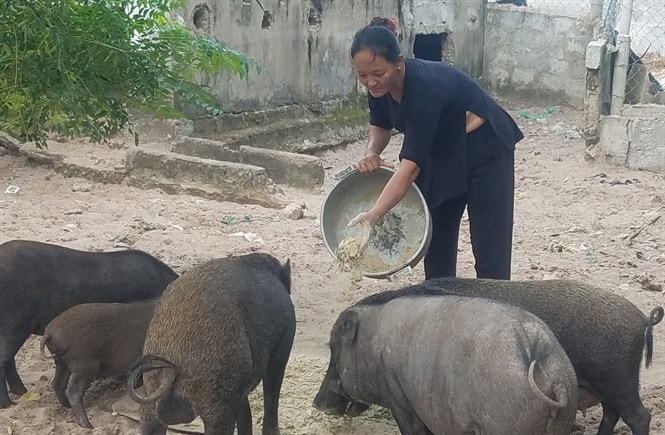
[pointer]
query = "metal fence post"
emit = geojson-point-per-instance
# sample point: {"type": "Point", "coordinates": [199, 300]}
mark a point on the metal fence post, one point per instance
{"type": "Point", "coordinates": [596, 10]}
{"type": "Point", "coordinates": [621, 59]}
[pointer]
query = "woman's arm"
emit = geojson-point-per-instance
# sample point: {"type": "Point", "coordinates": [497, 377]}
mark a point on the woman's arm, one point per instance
{"type": "Point", "coordinates": [393, 192]}
{"type": "Point", "coordinates": [473, 121]}
{"type": "Point", "coordinates": [377, 142]}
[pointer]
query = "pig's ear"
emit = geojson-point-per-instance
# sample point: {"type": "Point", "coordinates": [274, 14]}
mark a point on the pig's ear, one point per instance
{"type": "Point", "coordinates": [348, 327]}
{"type": "Point", "coordinates": [285, 274]}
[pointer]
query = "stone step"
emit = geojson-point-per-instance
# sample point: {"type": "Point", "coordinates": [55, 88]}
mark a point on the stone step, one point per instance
{"type": "Point", "coordinates": [283, 167]}
{"type": "Point", "coordinates": [221, 180]}
{"type": "Point", "coordinates": [305, 134]}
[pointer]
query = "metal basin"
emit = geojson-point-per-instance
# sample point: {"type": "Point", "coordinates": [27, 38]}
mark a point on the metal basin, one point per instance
{"type": "Point", "coordinates": [399, 240]}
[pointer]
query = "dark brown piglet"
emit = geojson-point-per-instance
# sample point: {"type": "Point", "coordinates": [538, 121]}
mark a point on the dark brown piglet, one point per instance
{"type": "Point", "coordinates": [93, 341]}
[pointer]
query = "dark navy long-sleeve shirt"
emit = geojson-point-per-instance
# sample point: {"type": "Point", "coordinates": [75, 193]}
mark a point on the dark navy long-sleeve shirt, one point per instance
{"type": "Point", "coordinates": [432, 116]}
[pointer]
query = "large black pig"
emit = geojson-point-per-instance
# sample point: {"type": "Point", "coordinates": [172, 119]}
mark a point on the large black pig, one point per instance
{"type": "Point", "coordinates": [603, 334]}
{"type": "Point", "coordinates": [217, 331]}
{"type": "Point", "coordinates": [450, 365]}
{"type": "Point", "coordinates": [38, 281]}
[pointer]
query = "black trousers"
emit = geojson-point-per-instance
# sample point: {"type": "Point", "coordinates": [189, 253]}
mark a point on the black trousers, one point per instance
{"type": "Point", "coordinates": [489, 202]}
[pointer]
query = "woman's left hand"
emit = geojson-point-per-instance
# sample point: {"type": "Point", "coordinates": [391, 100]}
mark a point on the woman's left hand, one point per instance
{"type": "Point", "coordinates": [366, 225]}
{"type": "Point", "coordinates": [371, 162]}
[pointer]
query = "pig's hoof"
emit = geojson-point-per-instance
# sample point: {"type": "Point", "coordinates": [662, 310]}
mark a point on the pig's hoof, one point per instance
{"type": "Point", "coordinates": [84, 423]}
{"type": "Point", "coordinates": [6, 403]}
{"type": "Point", "coordinates": [19, 390]}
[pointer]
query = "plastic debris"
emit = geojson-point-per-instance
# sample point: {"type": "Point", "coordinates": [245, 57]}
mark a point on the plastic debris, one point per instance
{"type": "Point", "coordinates": [250, 237]}
{"type": "Point", "coordinates": [12, 190]}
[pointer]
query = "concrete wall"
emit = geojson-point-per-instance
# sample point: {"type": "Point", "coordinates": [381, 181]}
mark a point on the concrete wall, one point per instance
{"type": "Point", "coordinates": [461, 20]}
{"type": "Point", "coordinates": [534, 54]}
{"type": "Point", "coordinates": [635, 138]}
{"type": "Point", "coordinates": [305, 49]}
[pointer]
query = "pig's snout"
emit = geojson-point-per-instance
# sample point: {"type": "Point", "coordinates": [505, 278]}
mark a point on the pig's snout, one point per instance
{"type": "Point", "coordinates": [330, 402]}
{"type": "Point", "coordinates": [356, 408]}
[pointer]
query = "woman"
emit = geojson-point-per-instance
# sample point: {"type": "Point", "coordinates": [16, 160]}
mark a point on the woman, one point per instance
{"type": "Point", "coordinates": [458, 148]}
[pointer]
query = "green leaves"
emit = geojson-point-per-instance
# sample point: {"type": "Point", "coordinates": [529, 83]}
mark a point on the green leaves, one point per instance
{"type": "Point", "coordinates": [81, 67]}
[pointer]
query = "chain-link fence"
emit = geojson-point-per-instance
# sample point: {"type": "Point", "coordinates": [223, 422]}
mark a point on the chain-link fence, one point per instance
{"type": "Point", "coordinates": [646, 62]}
{"type": "Point", "coordinates": [646, 74]}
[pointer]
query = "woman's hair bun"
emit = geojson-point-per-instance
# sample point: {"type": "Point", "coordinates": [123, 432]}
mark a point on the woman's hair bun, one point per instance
{"type": "Point", "coordinates": [389, 23]}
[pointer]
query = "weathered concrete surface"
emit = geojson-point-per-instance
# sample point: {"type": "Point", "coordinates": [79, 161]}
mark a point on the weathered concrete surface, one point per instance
{"type": "Point", "coordinates": [152, 166]}
{"type": "Point", "coordinates": [536, 55]}
{"type": "Point", "coordinates": [304, 45]}
{"type": "Point", "coordinates": [304, 49]}
{"type": "Point", "coordinates": [302, 132]}
{"type": "Point", "coordinates": [230, 181]}
{"type": "Point", "coordinates": [282, 167]}
{"type": "Point", "coordinates": [635, 138]}
{"type": "Point", "coordinates": [296, 136]}
{"type": "Point", "coordinates": [286, 168]}
{"type": "Point", "coordinates": [231, 169]}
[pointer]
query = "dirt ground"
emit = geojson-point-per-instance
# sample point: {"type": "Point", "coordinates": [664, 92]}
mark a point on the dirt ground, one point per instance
{"type": "Point", "coordinates": [576, 216]}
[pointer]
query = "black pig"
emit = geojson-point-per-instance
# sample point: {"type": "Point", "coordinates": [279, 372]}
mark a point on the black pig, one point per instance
{"type": "Point", "coordinates": [91, 341]}
{"type": "Point", "coordinates": [603, 334]}
{"type": "Point", "coordinates": [218, 330]}
{"type": "Point", "coordinates": [38, 281]}
{"type": "Point", "coordinates": [450, 365]}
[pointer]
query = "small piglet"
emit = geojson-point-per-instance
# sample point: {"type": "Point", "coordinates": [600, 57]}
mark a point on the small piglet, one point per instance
{"type": "Point", "coordinates": [93, 341]}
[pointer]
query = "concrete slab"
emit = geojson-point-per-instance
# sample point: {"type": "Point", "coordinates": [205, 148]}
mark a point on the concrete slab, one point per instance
{"type": "Point", "coordinates": [633, 141]}
{"type": "Point", "coordinates": [283, 167]}
{"type": "Point", "coordinates": [225, 181]}
{"type": "Point", "coordinates": [286, 168]}
{"type": "Point", "coordinates": [647, 148]}
{"type": "Point", "coordinates": [614, 138]}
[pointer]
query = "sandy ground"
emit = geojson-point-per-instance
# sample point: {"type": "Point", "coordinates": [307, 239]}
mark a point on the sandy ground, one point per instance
{"type": "Point", "coordinates": [576, 217]}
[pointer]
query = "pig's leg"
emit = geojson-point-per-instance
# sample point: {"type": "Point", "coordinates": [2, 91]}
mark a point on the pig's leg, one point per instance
{"type": "Point", "coordinates": [610, 419]}
{"type": "Point", "coordinates": [272, 385]}
{"type": "Point", "coordinates": [409, 423]}
{"type": "Point", "coordinates": [150, 424]}
{"type": "Point", "coordinates": [5, 401]}
{"type": "Point", "coordinates": [638, 420]}
{"type": "Point", "coordinates": [79, 383]}
{"type": "Point", "coordinates": [633, 413]}
{"type": "Point", "coordinates": [13, 379]}
{"type": "Point", "coordinates": [622, 399]}
{"type": "Point", "coordinates": [60, 381]}
{"type": "Point", "coordinates": [10, 342]}
{"type": "Point", "coordinates": [218, 421]}
{"type": "Point", "coordinates": [244, 420]}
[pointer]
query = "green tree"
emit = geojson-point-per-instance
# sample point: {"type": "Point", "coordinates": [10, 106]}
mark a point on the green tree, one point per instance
{"type": "Point", "coordinates": [82, 67]}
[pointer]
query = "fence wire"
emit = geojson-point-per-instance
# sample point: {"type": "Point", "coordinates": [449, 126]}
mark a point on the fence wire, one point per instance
{"type": "Point", "coordinates": [646, 66]}
{"type": "Point", "coordinates": [646, 63]}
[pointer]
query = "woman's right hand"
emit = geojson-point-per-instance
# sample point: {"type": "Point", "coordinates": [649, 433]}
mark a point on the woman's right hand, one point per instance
{"type": "Point", "coordinates": [371, 162]}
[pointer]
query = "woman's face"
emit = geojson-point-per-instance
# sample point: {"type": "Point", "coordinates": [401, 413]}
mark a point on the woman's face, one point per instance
{"type": "Point", "coordinates": [376, 73]}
